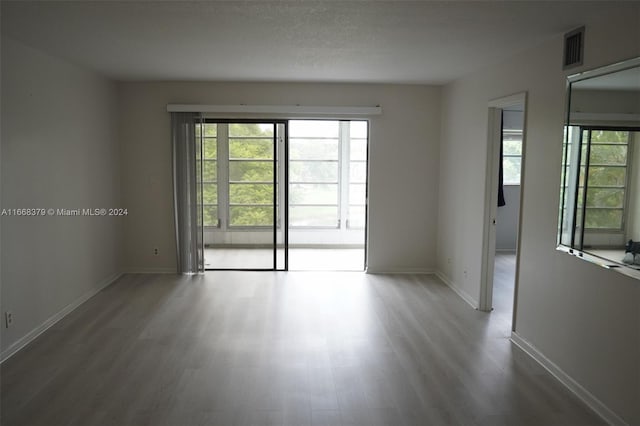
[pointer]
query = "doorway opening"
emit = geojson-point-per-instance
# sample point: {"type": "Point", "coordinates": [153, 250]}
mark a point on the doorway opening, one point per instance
{"type": "Point", "coordinates": [327, 194]}
{"type": "Point", "coordinates": [503, 207]}
{"type": "Point", "coordinates": [284, 195]}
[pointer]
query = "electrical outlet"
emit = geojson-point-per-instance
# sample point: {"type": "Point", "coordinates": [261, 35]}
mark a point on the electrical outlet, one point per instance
{"type": "Point", "coordinates": [155, 251]}
{"type": "Point", "coordinates": [8, 317]}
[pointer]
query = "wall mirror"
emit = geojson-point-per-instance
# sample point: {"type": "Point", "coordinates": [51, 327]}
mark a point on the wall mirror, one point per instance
{"type": "Point", "coordinates": [600, 204]}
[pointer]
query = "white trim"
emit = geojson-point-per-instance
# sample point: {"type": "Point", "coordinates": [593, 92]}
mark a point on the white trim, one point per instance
{"type": "Point", "coordinates": [33, 334]}
{"type": "Point", "coordinates": [607, 69]}
{"type": "Point", "coordinates": [278, 109]}
{"type": "Point", "coordinates": [583, 394]}
{"type": "Point", "coordinates": [460, 292]}
{"type": "Point", "coordinates": [508, 101]}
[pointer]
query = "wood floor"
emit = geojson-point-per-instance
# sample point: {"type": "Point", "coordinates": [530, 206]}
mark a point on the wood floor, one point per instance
{"type": "Point", "coordinates": [280, 348]}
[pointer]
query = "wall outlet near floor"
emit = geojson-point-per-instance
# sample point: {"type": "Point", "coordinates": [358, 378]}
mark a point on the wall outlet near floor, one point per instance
{"type": "Point", "coordinates": [8, 319]}
{"type": "Point", "coordinates": [156, 251]}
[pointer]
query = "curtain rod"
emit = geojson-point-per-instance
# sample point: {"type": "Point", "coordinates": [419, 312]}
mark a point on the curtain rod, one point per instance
{"type": "Point", "coordinates": [277, 109]}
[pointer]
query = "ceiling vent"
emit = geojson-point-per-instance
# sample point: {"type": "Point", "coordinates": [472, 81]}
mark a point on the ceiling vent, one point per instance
{"type": "Point", "coordinates": [573, 48]}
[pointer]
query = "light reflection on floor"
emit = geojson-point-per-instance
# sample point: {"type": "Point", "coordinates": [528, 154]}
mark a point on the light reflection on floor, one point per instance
{"type": "Point", "coordinates": [300, 259]}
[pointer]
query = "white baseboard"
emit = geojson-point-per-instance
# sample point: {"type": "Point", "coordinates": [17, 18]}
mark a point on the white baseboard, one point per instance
{"type": "Point", "coordinates": [584, 395]}
{"type": "Point", "coordinates": [460, 292]}
{"type": "Point", "coordinates": [33, 334]}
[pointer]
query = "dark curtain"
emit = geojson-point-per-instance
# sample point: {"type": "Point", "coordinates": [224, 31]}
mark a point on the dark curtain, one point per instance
{"type": "Point", "coordinates": [501, 200]}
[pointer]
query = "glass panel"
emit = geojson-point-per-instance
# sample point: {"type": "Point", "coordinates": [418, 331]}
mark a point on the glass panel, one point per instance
{"type": "Point", "coordinates": [578, 220]}
{"type": "Point", "coordinates": [245, 166]}
{"type": "Point", "coordinates": [210, 215]}
{"type": "Point", "coordinates": [512, 147]}
{"type": "Point", "coordinates": [210, 148]}
{"type": "Point", "coordinates": [250, 171]}
{"type": "Point", "coordinates": [313, 171]}
{"type": "Point", "coordinates": [607, 176]}
{"type": "Point", "coordinates": [250, 129]}
{"type": "Point", "coordinates": [357, 193]}
{"type": "Point", "coordinates": [608, 154]}
{"type": "Point", "coordinates": [580, 196]}
{"type": "Point", "coordinates": [210, 193]}
{"type": "Point", "coordinates": [256, 193]}
{"type": "Point", "coordinates": [210, 129]}
{"type": "Point", "coordinates": [313, 149]}
{"type": "Point", "coordinates": [251, 215]}
{"type": "Point", "coordinates": [358, 149]}
{"type": "Point", "coordinates": [511, 169]}
{"type": "Point", "coordinates": [609, 136]}
{"type": "Point", "coordinates": [356, 217]}
{"type": "Point", "coordinates": [358, 129]}
{"type": "Point", "coordinates": [314, 128]}
{"type": "Point", "coordinates": [581, 177]}
{"type": "Point", "coordinates": [303, 193]}
{"type": "Point", "coordinates": [603, 219]}
{"type": "Point", "coordinates": [358, 172]}
{"type": "Point", "coordinates": [210, 171]}
{"type": "Point", "coordinates": [251, 148]}
{"type": "Point", "coordinates": [605, 197]}
{"type": "Point", "coordinates": [325, 216]}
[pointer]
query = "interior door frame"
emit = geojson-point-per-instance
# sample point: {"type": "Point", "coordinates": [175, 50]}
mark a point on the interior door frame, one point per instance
{"type": "Point", "coordinates": [493, 159]}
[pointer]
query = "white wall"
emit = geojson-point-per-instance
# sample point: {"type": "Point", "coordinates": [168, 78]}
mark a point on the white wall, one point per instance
{"type": "Point", "coordinates": [59, 150]}
{"type": "Point", "coordinates": [583, 318]}
{"type": "Point", "coordinates": [403, 163]}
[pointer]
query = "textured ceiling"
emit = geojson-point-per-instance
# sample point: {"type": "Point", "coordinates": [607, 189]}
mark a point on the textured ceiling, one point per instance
{"type": "Point", "coordinates": [321, 41]}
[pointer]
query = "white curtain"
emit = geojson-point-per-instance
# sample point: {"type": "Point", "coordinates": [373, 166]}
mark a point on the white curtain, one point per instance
{"type": "Point", "coordinates": [187, 190]}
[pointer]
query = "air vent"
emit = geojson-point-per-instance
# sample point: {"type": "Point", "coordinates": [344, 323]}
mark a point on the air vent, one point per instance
{"type": "Point", "coordinates": [573, 48]}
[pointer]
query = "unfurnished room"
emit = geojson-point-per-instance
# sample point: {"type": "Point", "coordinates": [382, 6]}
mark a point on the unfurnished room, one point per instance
{"type": "Point", "coordinates": [319, 213]}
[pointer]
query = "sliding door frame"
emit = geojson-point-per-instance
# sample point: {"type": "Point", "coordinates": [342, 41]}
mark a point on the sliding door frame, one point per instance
{"type": "Point", "coordinates": [277, 164]}
{"type": "Point", "coordinates": [281, 171]}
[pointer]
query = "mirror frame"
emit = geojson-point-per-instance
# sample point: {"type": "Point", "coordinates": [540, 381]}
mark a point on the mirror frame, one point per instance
{"type": "Point", "coordinates": [570, 249]}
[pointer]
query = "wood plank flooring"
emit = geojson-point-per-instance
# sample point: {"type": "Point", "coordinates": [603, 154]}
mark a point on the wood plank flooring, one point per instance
{"type": "Point", "coordinates": [280, 348]}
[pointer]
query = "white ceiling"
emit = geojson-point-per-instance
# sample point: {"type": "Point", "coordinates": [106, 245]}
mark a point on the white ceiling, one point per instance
{"type": "Point", "coordinates": [325, 41]}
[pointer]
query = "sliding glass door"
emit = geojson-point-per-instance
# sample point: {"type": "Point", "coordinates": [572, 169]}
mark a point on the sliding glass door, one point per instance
{"type": "Point", "coordinates": [241, 194]}
{"type": "Point", "coordinates": [270, 197]}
